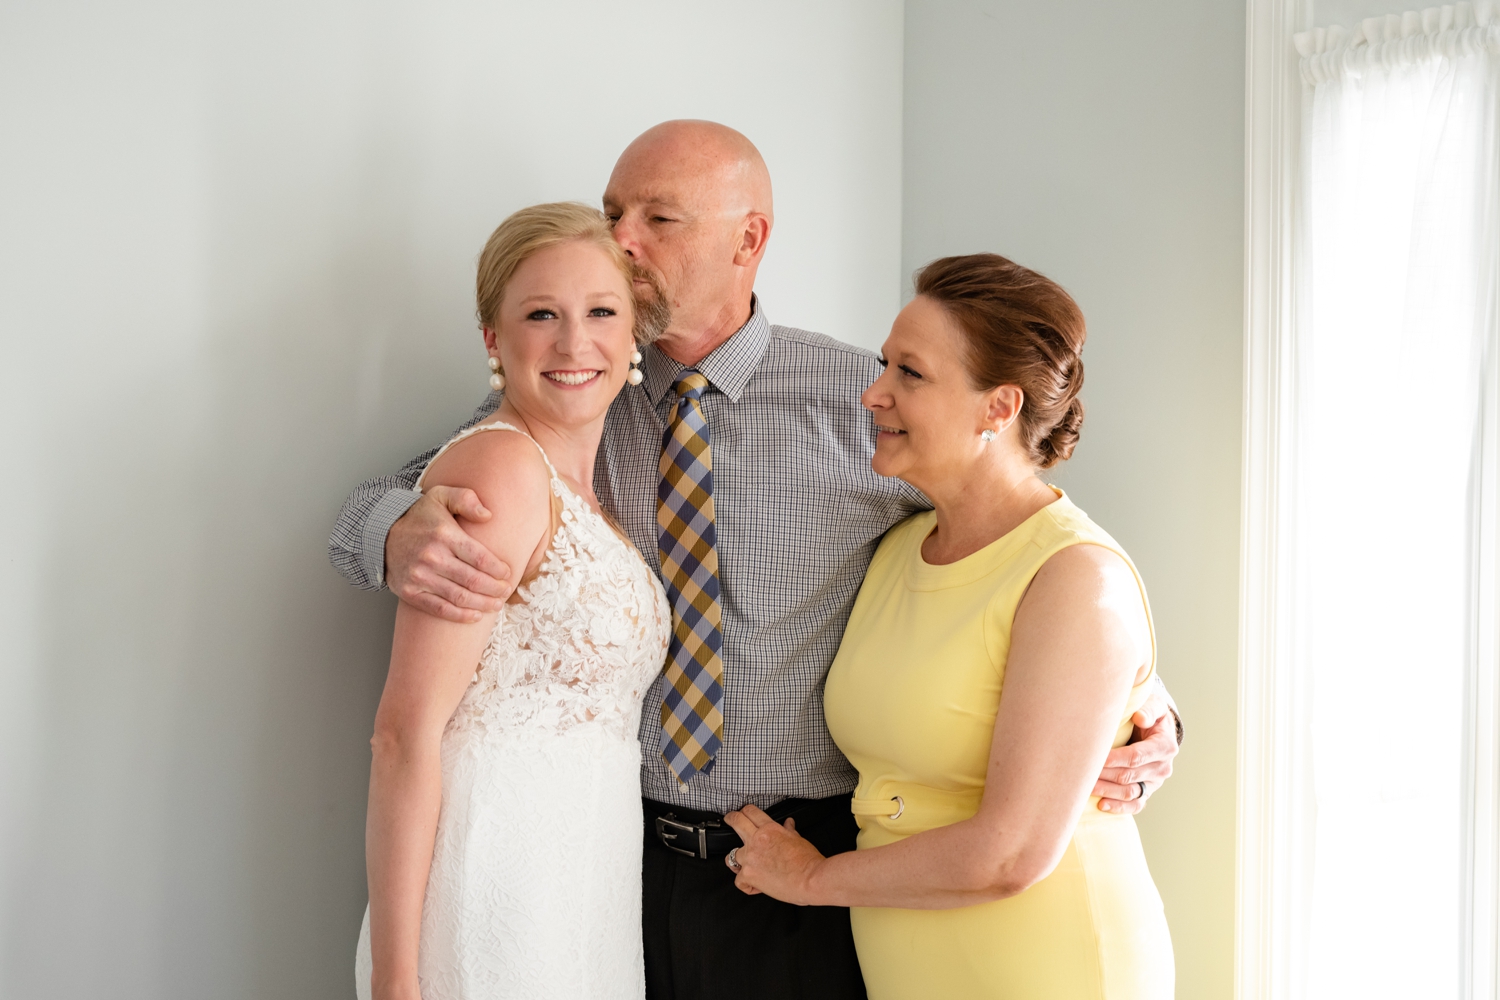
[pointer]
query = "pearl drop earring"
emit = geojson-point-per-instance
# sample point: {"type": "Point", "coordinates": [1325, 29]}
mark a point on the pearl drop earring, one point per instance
{"type": "Point", "coordinates": [497, 376]}
{"type": "Point", "coordinates": [636, 376]}
{"type": "Point", "coordinates": [987, 435]}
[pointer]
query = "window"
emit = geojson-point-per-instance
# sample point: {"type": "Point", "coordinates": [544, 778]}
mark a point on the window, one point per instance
{"type": "Point", "coordinates": [1369, 661]}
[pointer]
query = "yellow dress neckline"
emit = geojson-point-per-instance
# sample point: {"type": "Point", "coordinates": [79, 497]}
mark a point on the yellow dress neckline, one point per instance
{"type": "Point", "coordinates": [922, 575]}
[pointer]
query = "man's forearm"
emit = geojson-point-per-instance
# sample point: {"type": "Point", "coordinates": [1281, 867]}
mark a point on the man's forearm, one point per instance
{"type": "Point", "coordinates": [356, 547]}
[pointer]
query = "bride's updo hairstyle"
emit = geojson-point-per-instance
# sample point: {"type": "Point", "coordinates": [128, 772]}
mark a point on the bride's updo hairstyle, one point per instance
{"type": "Point", "coordinates": [1022, 330]}
{"type": "Point", "coordinates": [530, 231]}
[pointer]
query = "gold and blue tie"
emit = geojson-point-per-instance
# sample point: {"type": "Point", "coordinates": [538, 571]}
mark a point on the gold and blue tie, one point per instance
{"type": "Point", "coordinates": [692, 713]}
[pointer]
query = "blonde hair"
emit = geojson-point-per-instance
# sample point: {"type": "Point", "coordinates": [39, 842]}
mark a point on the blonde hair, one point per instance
{"type": "Point", "coordinates": [527, 233]}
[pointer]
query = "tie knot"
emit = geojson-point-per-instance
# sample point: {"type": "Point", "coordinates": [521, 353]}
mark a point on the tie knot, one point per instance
{"type": "Point", "coordinates": [691, 384]}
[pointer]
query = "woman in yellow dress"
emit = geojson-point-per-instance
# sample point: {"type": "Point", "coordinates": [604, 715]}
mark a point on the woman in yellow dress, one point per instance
{"type": "Point", "coordinates": [998, 649]}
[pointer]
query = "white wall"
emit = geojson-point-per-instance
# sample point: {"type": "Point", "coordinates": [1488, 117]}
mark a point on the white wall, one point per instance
{"type": "Point", "coordinates": [1102, 143]}
{"type": "Point", "coordinates": [236, 251]}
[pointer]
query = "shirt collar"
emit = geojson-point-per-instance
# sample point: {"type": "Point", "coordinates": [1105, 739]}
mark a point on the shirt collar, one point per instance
{"type": "Point", "coordinates": [727, 367]}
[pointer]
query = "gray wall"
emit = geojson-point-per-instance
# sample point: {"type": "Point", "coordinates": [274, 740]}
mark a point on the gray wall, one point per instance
{"type": "Point", "coordinates": [236, 263]}
{"type": "Point", "coordinates": [1101, 143]}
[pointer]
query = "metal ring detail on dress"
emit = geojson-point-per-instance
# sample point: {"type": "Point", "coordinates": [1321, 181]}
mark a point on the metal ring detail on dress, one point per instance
{"type": "Point", "coordinates": [900, 807]}
{"type": "Point", "coordinates": [732, 862]}
{"type": "Point", "coordinates": [1143, 789]}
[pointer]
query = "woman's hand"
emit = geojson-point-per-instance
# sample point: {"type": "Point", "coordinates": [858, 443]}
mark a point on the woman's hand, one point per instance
{"type": "Point", "coordinates": [775, 859]}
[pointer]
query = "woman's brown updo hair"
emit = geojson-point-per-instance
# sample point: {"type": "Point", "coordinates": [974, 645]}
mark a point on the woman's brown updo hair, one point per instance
{"type": "Point", "coordinates": [1022, 330]}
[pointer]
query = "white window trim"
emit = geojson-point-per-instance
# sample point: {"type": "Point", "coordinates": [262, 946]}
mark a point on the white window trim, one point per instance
{"type": "Point", "coordinates": [1273, 802]}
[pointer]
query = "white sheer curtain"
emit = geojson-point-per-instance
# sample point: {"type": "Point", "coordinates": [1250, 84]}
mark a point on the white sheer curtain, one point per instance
{"type": "Point", "coordinates": [1393, 373]}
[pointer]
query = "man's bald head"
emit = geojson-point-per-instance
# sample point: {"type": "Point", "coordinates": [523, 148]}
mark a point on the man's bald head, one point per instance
{"type": "Point", "coordinates": [720, 159]}
{"type": "Point", "coordinates": [690, 202]}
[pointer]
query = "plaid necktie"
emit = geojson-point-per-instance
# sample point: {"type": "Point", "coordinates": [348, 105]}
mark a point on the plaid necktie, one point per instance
{"type": "Point", "coordinates": [692, 713]}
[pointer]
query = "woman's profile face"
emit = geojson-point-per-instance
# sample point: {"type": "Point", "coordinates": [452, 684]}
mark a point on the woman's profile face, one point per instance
{"type": "Point", "coordinates": [564, 334]}
{"type": "Point", "coordinates": [928, 415]}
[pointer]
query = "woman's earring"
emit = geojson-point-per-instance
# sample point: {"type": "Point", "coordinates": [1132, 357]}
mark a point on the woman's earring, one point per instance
{"type": "Point", "coordinates": [635, 377]}
{"type": "Point", "coordinates": [497, 377]}
{"type": "Point", "coordinates": [987, 435]}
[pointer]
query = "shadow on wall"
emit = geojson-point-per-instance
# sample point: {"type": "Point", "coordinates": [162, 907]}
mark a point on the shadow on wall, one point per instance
{"type": "Point", "coordinates": [208, 716]}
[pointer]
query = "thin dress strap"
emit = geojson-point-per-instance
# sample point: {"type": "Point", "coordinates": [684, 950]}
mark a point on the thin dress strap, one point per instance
{"type": "Point", "coordinates": [498, 425]}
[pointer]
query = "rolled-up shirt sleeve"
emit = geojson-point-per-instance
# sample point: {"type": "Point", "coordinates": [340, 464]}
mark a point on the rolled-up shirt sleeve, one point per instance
{"type": "Point", "coordinates": [356, 546]}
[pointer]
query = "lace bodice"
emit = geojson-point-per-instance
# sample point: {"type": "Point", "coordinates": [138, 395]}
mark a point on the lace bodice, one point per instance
{"type": "Point", "coordinates": [585, 640]}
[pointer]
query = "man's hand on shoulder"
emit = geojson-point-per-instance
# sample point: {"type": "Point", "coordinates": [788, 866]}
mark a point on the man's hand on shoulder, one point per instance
{"type": "Point", "coordinates": [433, 565]}
{"type": "Point", "coordinates": [1134, 771]}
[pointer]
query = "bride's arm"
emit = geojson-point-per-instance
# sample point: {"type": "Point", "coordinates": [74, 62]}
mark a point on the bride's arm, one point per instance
{"type": "Point", "coordinates": [1079, 642]}
{"type": "Point", "coordinates": [432, 663]}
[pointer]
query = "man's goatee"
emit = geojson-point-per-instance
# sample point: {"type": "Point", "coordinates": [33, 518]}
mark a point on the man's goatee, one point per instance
{"type": "Point", "coordinates": [653, 314]}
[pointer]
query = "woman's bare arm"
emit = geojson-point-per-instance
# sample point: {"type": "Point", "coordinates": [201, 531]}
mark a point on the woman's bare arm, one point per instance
{"type": "Point", "coordinates": [1079, 642]}
{"type": "Point", "coordinates": [432, 663]}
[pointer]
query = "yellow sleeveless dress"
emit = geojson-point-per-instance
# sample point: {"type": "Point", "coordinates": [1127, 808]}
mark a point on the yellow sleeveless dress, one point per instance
{"type": "Point", "coordinates": [911, 700]}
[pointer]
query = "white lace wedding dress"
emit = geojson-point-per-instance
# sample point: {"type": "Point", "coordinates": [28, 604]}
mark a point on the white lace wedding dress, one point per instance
{"type": "Point", "coordinates": [535, 888]}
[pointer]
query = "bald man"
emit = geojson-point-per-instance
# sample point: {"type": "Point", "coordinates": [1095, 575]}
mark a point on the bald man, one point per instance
{"type": "Point", "coordinates": [797, 513]}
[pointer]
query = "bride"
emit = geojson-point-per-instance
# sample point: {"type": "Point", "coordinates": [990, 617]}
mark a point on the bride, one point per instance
{"type": "Point", "coordinates": [503, 843]}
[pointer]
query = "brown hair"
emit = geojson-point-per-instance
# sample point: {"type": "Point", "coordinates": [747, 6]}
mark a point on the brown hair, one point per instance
{"type": "Point", "coordinates": [1023, 330]}
{"type": "Point", "coordinates": [530, 231]}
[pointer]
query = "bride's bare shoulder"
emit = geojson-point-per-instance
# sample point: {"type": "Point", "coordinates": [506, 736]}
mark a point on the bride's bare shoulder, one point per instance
{"type": "Point", "coordinates": [507, 471]}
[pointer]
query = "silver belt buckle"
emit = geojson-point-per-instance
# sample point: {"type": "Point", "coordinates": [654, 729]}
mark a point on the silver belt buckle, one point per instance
{"type": "Point", "coordinates": [695, 834]}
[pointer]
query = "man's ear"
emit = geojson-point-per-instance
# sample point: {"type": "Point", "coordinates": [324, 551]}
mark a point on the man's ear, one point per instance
{"type": "Point", "coordinates": [753, 239]}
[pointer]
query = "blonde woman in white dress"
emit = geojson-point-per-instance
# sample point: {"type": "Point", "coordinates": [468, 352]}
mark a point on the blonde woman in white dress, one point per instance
{"type": "Point", "coordinates": [503, 843]}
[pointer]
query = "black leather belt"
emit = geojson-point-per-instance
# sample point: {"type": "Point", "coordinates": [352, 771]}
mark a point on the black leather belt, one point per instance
{"type": "Point", "coordinates": [696, 834]}
{"type": "Point", "coordinates": [694, 837]}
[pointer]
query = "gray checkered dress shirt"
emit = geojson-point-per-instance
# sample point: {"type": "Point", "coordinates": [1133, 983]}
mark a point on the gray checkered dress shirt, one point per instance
{"type": "Point", "coordinates": [798, 512]}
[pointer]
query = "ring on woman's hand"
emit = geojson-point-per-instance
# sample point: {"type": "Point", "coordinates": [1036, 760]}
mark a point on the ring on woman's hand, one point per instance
{"type": "Point", "coordinates": [1143, 789]}
{"type": "Point", "coordinates": [729, 859]}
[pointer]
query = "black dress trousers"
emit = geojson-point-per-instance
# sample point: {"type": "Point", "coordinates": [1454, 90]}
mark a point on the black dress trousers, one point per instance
{"type": "Point", "coordinates": [707, 940]}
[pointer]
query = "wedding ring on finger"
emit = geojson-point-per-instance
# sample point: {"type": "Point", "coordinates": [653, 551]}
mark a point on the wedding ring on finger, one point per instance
{"type": "Point", "coordinates": [732, 861]}
{"type": "Point", "coordinates": [1142, 784]}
